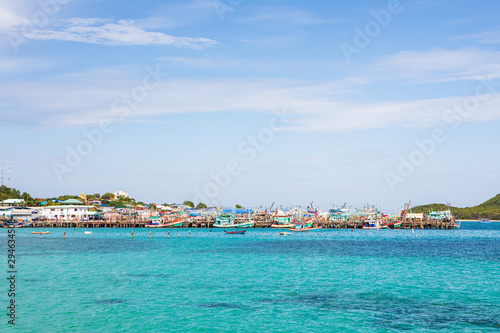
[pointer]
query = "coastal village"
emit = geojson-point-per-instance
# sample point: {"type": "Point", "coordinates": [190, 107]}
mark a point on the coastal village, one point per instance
{"type": "Point", "coordinates": [119, 210]}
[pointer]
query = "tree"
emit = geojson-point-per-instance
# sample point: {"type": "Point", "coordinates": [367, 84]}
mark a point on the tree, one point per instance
{"type": "Point", "coordinates": [97, 195]}
{"type": "Point", "coordinates": [201, 205]}
{"type": "Point", "coordinates": [152, 206]}
{"type": "Point", "coordinates": [189, 204]}
{"type": "Point", "coordinates": [108, 196]}
{"type": "Point", "coordinates": [239, 206]}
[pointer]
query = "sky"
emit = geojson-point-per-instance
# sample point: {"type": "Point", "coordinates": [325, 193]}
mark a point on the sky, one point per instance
{"type": "Point", "coordinates": [253, 102]}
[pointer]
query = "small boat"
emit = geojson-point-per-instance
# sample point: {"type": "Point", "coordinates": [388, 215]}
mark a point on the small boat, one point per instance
{"type": "Point", "coordinates": [284, 233]}
{"type": "Point", "coordinates": [240, 232]}
{"type": "Point", "coordinates": [305, 229]}
{"type": "Point", "coordinates": [40, 232]}
{"type": "Point", "coordinates": [88, 232]}
{"type": "Point", "coordinates": [483, 220]}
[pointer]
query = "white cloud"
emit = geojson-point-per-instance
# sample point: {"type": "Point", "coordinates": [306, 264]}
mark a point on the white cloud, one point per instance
{"type": "Point", "coordinates": [8, 18]}
{"type": "Point", "coordinates": [439, 65]}
{"type": "Point", "coordinates": [280, 15]}
{"type": "Point", "coordinates": [487, 37]}
{"type": "Point", "coordinates": [107, 32]}
{"type": "Point", "coordinates": [313, 106]}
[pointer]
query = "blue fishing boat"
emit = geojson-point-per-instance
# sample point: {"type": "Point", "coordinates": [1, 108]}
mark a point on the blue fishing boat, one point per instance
{"type": "Point", "coordinates": [228, 219]}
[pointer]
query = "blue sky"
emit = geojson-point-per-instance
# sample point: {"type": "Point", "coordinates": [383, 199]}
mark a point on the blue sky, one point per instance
{"type": "Point", "coordinates": [377, 102]}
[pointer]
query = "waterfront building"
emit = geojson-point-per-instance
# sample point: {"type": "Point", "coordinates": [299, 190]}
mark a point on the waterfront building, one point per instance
{"type": "Point", "coordinates": [68, 212]}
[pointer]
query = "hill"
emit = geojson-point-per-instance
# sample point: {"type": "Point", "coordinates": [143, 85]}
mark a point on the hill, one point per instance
{"type": "Point", "coordinates": [488, 209]}
{"type": "Point", "coordinates": [12, 193]}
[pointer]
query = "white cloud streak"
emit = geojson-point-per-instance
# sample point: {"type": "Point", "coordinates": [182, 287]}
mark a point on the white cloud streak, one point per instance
{"type": "Point", "coordinates": [438, 65]}
{"type": "Point", "coordinates": [85, 98]}
{"type": "Point", "coordinates": [106, 32]}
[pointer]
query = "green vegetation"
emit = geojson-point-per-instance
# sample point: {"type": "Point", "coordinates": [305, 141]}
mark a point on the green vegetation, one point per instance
{"type": "Point", "coordinates": [201, 205]}
{"type": "Point", "coordinates": [66, 197]}
{"type": "Point", "coordinates": [239, 206]}
{"type": "Point", "coordinates": [488, 209]}
{"type": "Point", "coordinates": [189, 204]}
{"type": "Point", "coordinates": [108, 196]}
{"type": "Point", "coordinates": [12, 193]}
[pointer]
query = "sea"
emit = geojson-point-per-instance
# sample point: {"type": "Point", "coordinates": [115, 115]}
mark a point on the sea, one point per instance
{"type": "Point", "coordinates": [203, 280]}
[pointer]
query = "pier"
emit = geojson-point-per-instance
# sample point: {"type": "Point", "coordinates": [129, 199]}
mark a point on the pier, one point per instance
{"type": "Point", "coordinates": [260, 222]}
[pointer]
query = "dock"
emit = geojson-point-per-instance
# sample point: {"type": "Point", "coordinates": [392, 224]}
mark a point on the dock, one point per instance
{"type": "Point", "coordinates": [260, 222]}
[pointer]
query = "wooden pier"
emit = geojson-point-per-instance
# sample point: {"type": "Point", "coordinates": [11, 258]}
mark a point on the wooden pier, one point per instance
{"type": "Point", "coordinates": [261, 222]}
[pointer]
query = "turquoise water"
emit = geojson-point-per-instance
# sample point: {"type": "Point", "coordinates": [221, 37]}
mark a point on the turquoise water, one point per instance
{"type": "Point", "coordinates": [327, 281]}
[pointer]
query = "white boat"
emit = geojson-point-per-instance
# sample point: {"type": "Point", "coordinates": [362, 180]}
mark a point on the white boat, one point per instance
{"type": "Point", "coordinates": [88, 232]}
{"type": "Point", "coordinates": [374, 224]}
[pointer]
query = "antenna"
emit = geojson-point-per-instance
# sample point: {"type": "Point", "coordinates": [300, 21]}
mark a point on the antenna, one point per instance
{"type": "Point", "coordinates": [2, 174]}
{"type": "Point", "coordinates": [9, 167]}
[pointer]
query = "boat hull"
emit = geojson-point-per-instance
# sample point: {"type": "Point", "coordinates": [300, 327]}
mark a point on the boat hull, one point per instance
{"type": "Point", "coordinates": [394, 225]}
{"type": "Point", "coordinates": [305, 229]}
{"type": "Point", "coordinates": [282, 226]}
{"type": "Point", "coordinates": [238, 232]}
{"type": "Point", "coordinates": [236, 225]}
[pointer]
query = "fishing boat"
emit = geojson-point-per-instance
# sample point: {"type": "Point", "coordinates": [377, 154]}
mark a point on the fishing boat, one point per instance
{"type": "Point", "coordinates": [241, 218]}
{"type": "Point", "coordinates": [156, 222]}
{"type": "Point", "coordinates": [309, 226]}
{"type": "Point", "coordinates": [394, 225]}
{"type": "Point", "coordinates": [483, 220]}
{"type": "Point", "coordinates": [239, 232]}
{"type": "Point", "coordinates": [281, 220]}
{"type": "Point", "coordinates": [224, 220]}
{"type": "Point", "coordinates": [40, 232]}
{"type": "Point", "coordinates": [169, 221]}
{"type": "Point", "coordinates": [175, 219]}
{"type": "Point", "coordinates": [373, 224]}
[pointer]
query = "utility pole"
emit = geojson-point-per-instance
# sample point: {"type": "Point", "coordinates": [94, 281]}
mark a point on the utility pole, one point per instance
{"type": "Point", "coordinates": [9, 167]}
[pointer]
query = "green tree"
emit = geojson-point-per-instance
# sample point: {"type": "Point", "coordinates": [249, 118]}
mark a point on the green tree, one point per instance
{"type": "Point", "coordinates": [108, 196]}
{"type": "Point", "coordinates": [239, 206]}
{"type": "Point", "coordinates": [152, 206]}
{"type": "Point", "coordinates": [189, 204]}
{"type": "Point", "coordinates": [201, 205]}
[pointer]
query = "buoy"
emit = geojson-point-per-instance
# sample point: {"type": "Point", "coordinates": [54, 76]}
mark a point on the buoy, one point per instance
{"type": "Point", "coordinates": [65, 235]}
{"type": "Point", "coordinates": [178, 235]}
{"type": "Point", "coordinates": [132, 235]}
{"type": "Point", "coordinates": [169, 234]}
{"type": "Point", "coordinates": [189, 233]}
{"type": "Point", "coordinates": [150, 234]}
